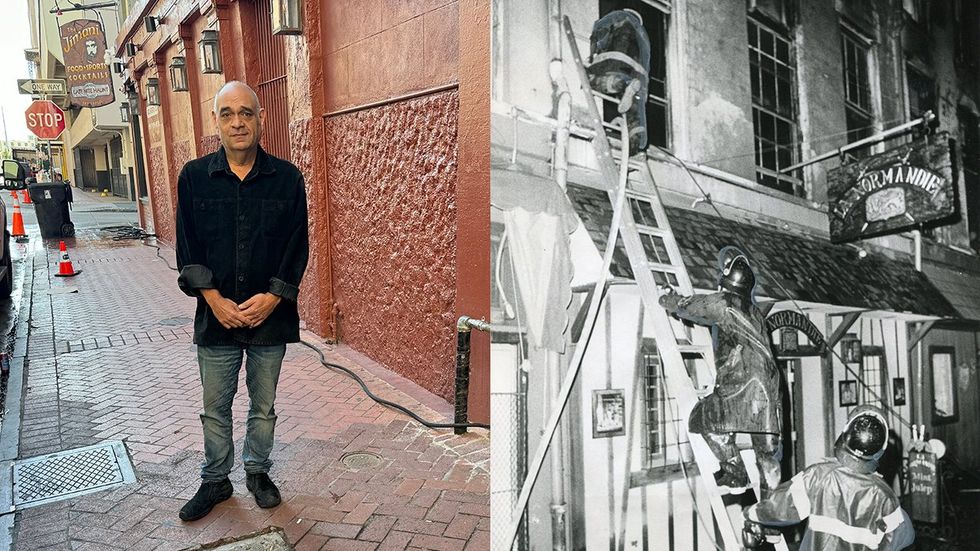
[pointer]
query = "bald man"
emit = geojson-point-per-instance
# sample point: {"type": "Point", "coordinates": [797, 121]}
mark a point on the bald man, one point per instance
{"type": "Point", "coordinates": [242, 248]}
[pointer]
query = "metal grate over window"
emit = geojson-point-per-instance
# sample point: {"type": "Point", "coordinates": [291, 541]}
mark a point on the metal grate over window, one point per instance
{"type": "Point", "coordinates": [774, 110]}
{"type": "Point", "coordinates": [857, 89]}
{"type": "Point", "coordinates": [653, 394]}
{"type": "Point", "coordinates": [661, 446]}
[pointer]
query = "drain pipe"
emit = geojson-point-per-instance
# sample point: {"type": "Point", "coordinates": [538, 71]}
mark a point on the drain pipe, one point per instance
{"type": "Point", "coordinates": [463, 326]}
{"type": "Point", "coordinates": [563, 112]}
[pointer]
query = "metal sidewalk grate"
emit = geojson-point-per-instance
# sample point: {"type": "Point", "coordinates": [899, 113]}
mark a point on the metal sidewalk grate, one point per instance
{"type": "Point", "coordinates": [70, 473]}
{"type": "Point", "coordinates": [163, 335]}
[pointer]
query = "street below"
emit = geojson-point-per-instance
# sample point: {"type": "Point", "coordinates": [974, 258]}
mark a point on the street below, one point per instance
{"type": "Point", "coordinates": [106, 356]}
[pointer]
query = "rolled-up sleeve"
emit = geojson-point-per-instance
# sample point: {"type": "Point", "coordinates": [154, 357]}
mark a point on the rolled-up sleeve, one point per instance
{"type": "Point", "coordinates": [296, 255]}
{"type": "Point", "coordinates": [194, 274]}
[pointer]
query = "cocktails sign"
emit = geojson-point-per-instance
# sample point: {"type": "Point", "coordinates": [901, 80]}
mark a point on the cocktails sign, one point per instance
{"type": "Point", "coordinates": [89, 78]}
{"type": "Point", "coordinates": [892, 191]}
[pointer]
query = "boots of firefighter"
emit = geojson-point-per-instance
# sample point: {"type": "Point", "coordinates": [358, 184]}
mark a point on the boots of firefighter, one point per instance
{"type": "Point", "coordinates": [768, 454]}
{"type": "Point", "coordinates": [752, 536]}
{"type": "Point", "coordinates": [629, 96]}
{"type": "Point", "coordinates": [733, 473]}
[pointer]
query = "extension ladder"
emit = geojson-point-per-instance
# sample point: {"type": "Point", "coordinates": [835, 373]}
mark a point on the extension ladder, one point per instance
{"type": "Point", "coordinates": [655, 260]}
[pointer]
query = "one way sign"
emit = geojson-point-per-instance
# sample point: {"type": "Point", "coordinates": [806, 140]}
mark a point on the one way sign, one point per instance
{"type": "Point", "coordinates": [50, 86]}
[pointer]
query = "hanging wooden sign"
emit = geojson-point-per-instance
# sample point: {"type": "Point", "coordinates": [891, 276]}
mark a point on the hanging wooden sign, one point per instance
{"type": "Point", "coordinates": [790, 324]}
{"type": "Point", "coordinates": [923, 486]}
{"type": "Point", "coordinates": [892, 191]}
{"type": "Point", "coordinates": [89, 79]}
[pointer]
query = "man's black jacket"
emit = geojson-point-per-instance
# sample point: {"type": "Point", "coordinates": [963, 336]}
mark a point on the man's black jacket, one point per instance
{"type": "Point", "coordinates": [242, 237]}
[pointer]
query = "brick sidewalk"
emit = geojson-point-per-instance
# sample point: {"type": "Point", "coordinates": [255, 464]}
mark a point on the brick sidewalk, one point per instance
{"type": "Point", "coordinates": [115, 361]}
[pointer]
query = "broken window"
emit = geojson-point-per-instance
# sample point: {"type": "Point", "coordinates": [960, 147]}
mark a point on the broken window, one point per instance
{"type": "Point", "coordinates": [857, 90]}
{"type": "Point", "coordinates": [655, 22]}
{"type": "Point", "coordinates": [970, 138]}
{"type": "Point", "coordinates": [922, 93]}
{"type": "Point", "coordinates": [774, 110]}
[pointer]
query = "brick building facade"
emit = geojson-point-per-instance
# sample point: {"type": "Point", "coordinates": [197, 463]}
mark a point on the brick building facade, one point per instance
{"type": "Point", "coordinates": [383, 108]}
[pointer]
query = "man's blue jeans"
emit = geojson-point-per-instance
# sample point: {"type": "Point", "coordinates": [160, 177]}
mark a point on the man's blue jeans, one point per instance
{"type": "Point", "coordinates": [219, 367]}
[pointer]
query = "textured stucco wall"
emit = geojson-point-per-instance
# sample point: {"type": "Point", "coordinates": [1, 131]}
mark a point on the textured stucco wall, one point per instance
{"type": "Point", "coordinates": [392, 192]}
{"type": "Point", "coordinates": [314, 298]}
{"type": "Point", "coordinates": [159, 188]}
{"type": "Point", "coordinates": [210, 143]}
{"type": "Point", "coordinates": [183, 151]}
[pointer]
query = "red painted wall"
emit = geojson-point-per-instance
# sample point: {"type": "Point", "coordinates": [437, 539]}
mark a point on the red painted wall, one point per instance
{"type": "Point", "coordinates": [315, 298]}
{"type": "Point", "coordinates": [392, 174]}
{"type": "Point", "coordinates": [399, 235]}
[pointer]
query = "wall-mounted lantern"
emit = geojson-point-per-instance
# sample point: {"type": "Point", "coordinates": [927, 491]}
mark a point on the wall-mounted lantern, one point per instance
{"type": "Point", "coordinates": [210, 52]}
{"type": "Point", "coordinates": [152, 91]}
{"type": "Point", "coordinates": [851, 349]}
{"type": "Point", "coordinates": [124, 112]}
{"type": "Point", "coordinates": [118, 67]}
{"type": "Point", "coordinates": [178, 74]}
{"type": "Point", "coordinates": [151, 22]}
{"type": "Point", "coordinates": [287, 16]}
{"type": "Point", "coordinates": [130, 49]}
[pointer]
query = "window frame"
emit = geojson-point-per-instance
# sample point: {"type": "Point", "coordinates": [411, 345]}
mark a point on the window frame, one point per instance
{"type": "Point", "coordinates": [880, 385]}
{"type": "Point", "coordinates": [667, 457]}
{"type": "Point", "coordinates": [969, 142]}
{"type": "Point", "coordinates": [608, 109]}
{"type": "Point", "coordinates": [911, 70]}
{"type": "Point", "coordinates": [761, 144]}
{"type": "Point", "coordinates": [863, 48]}
{"type": "Point", "coordinates": [950, 383]}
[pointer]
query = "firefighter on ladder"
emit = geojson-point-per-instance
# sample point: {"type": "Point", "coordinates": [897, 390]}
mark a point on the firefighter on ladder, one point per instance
{"type": "Point", "coordinates": [747, 397]}
{"type": "Point", "coordinates": [849, 506]}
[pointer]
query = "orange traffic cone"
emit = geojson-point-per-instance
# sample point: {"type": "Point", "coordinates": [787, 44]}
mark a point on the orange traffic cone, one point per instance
{"type": "Point", "coordinates": [17, 229]}
{"type": "Point", "coordinates": [13, 194]}
{"type": "Point", "coordinates": [27, 198]}
{"type": "Point", "coordinates": [65, 268]}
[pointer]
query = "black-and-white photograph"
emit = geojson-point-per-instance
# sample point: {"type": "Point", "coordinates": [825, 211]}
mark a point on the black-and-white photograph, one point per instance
{"type": "Point", "coordinates": [848, 393]}
{"type": "Point", "coordinates": [668, 175]}
{"type": "Point", "coordinates": [607, 413]}
{"type": "Point", "coordinates": [898, 391]}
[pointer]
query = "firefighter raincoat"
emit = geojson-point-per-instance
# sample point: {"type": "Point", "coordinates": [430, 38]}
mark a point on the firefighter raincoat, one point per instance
{"type": "Point", "coordinates": [746, 397]}
{"type": "Point", "coordinates": [849, 507]}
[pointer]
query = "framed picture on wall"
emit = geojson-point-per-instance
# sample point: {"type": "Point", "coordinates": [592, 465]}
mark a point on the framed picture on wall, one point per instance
{"type": "Point", "coordinates": [848, 393]}
{"type": "Point", "coordinates": [608, 413]}
{"type": "Point", "coordinates": [942, 360]}
{"type": "Point", "coordinates": [898, 391]}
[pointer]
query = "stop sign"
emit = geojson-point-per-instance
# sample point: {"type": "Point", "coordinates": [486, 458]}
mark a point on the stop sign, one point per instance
{"type": "Point", "coordinates": [45, 119]}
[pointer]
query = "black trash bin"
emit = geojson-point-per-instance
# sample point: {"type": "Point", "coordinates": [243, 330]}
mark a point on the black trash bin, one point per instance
{"type": "Point", "coordinates": [51, 201]}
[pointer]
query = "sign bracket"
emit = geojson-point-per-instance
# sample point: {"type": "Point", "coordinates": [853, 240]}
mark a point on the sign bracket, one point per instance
{"type": "Point", "coordinates": [901, 129]}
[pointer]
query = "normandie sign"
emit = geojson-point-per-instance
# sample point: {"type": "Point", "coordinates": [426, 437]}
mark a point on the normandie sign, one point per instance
{"type": "Point", "coordinates": [893, 191]}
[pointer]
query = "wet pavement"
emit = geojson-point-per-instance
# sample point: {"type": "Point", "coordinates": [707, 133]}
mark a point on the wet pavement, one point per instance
{"type": "Point", "coordinates": [109, 357]}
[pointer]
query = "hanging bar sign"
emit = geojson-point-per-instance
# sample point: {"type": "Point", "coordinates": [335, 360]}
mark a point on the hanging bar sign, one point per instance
{"type": "Point", "coordinates": [89, 78]}
{"type": "Point", "coordinates": [923, 486]}
{"type": "Point", "coordinates": [789, 322]}
{"type": "Point", "coordinates": [892, 191]}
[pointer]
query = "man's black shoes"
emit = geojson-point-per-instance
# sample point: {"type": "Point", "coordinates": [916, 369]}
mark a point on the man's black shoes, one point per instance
{"type": "Point", "coordinates": [265, 492]}
{"type": "Point", "coordinates": [208, 495]}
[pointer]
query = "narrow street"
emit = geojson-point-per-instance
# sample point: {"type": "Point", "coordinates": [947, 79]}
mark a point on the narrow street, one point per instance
{"type": "Point", "coordinates": [107, 356]}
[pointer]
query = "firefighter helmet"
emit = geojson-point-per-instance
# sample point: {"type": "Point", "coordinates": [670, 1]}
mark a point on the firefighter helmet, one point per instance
{"type": "Point", "coordinates": [866, 434]}
{"type": "Point", "coordinates": [737, 276]}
